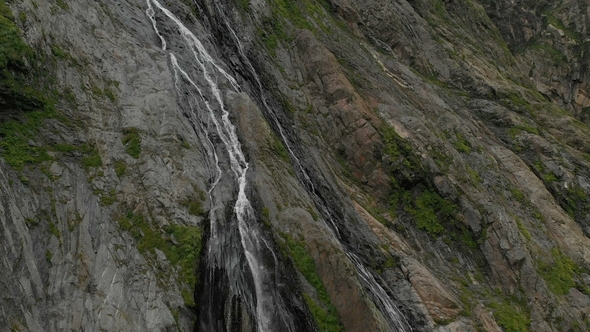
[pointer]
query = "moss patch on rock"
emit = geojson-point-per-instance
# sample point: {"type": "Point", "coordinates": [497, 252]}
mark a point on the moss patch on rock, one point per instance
{"type": "Point", "coordinates": [323, 312]}
{"type": "Point", "coordinates": [132, 142]}
{"type": "Point", "coordinates": [181, 245]}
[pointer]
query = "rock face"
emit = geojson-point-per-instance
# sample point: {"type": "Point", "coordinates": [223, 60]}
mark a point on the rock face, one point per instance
{"type": "Point", "coordinates": [312, 165]}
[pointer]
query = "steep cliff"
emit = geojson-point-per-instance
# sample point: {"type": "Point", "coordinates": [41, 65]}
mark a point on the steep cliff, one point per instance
{"type": "Point", "coordinates": [282, 165]}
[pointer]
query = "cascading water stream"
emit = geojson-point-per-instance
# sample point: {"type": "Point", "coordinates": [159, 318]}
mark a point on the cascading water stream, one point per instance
{"type": "Point", "coordinates": [396, 320]}
{"type": "Point", "coordinates": [197, 79]}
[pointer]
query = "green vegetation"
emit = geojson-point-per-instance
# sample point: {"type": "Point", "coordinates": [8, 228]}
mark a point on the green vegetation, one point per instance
{"type": "Point", "coordinates": [414, 193]}
{"type": "Point", "coordinates": [523, 230]}
{"type": "Point", "coordinates": [547, 175]}
{"type": "Point", "coordinates": [109, 198]}
{"type": "Point", "coordinates": [195, 208]}
{"type": "Point", "coordinates": [279, 149]}
{"type": "Point", "coordinates": [62, 4]}
{"type": "Point", "coordinates": [24, 93]}
{"type": "Point", "coordinates": [576, 202]}
{"type": "Point", "coordinates": [31, 222]}
{"type": "Point", "coordinates": [92, 158]}
{"type": "Point", "coordinates": [13, 50]}
{"type": "Point", "coordinates": [53, 229]}
{"type": "Point", "coordinates": [514, 131]}
{"type": "Point", "coordinates": [559, 274]}
{"type": "Point", "coordinates": [511, 317]}
{"type": "Point", "coordinates": [326, 320]}
{"type": "Point", "coordinates": [194, 203]}
{"type": "Point", "coordinates": [244, 5]}
{"type": "Point", "coordinates": [426, 210]}
{"type": "Point", "coordinates": [473, 175]}
{"type": "Point", "coordinates": [120, 168]}
{"type": "Point", "coordinates": [59, 52]}
{"type": "Point", "coordinates": [107, 92]}
{"type": "Point", "coordinates": [72, 223]}
{"type": "Point", "coordinates": [185, 254]}
{"type": "Point", "coordinates": [16, 59]}
{"type": "Point", "coordinates": [15, 145]}
{"type": "Point", "coordinates": [550, 177]}
{"type": "Point", "coordinates": [266, 217]}
{"type": "Point", "coordinates": [555, 55]}
{"type": "Point", "coordinates": [48, 255]}
{"type": "Point", "coordinates": [324, 313]}
{"type": "Point", "coordinates": [461, 144]}
{"type": "Point", "coordinates": [514, 100]}
{"type": "Point", "coordinates": [570, 32]}
{"type": "Point", "coordinates": [132, 142]}
{"type": "Point", "coordinates": [518, 195]}
{"type": "Point", "coordinates": [289, 12]}
{"type": "Point", "coordinates": [400, 162]}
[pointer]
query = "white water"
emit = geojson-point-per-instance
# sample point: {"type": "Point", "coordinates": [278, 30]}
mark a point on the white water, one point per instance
{"type": "Point", "coordinates": [392, 314]}
{"type": "Point", "coordinates": [252, 241]}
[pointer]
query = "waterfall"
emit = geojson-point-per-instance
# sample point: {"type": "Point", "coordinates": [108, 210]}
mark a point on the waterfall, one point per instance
{"type": "Point", "coordinates": [382, 300]}
{"type": "Point", "coordinates": [236, 244]}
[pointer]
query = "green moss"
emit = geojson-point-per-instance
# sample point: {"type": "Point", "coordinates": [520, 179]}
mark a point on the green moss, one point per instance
{"type": "Point", "coordinates": [514, 131]}
{"type": "Point", "coordinates": [518, 195]}
{"type": "Point", "coordinates": [132, 142]}
{"type": "Point", "coordinates": [327, 321]}
{"type": "Point", "coordinates": [73, 223]}
{"type": "Point", "coordinates": [511, 317]}
{"type": "Point", "coordinates": [473, 175]}
{"type": "Point", "coordinates": [17, 136]}
{"type": "Point", "coordinates": [279, 149]}
{"type": "Point", "coordinates": [266, 217]}
{"type": "Point", "coordinates": [13, 50]}
{"type": "Point", "coordinates": [513, 99]}
{"type": "Point", "coordinates": [53, 229]}
{"type": "Point", "coordinates": [20, 87]}
{"type": "Point", "coordinates": [291, 10]}
{"type": "Point", "coordinates": [48, 256]}
{"type": "Point", "coordinates": [427, 210]}
{"type": "Point", "coordinates": [59, 52]}
{"type": "Point", "coordinates": [120, 167]}
{"type": "Point", "coordinates": [185, 254]}
{"type": "Point", "coordinates": [554, 54]}
{"type": "Point", "coordinates": [244, 5]}
{"type": "Point", "coordinates": [92, 158]}
{"type": "Point", "coordinates": [576, 202]}
{"type": "Point", "coordinates": [109, 198]}
{"type": "Point", "coordinates": [570, 32]}
{"type": "Point", "coordinates": [31, 222]}
{"type": "Point", "coordinates": [523, 230]}
{"type": "Point", "coordinates": [110, 94]}
{"type": "Point", "coordinates": [285, 13]}
{"type": "Point", "coordinates": [324, 313]}
{"type": "Point", "coordinates": [558, 274]}
{"type": "Point", "coordinates": [195, 207]}
{"type": "Point", "coordinates": [550, 177]}
{"type": "Point", "coordinates": [62, 4]}
{"type": "Point", "coordinates": [461, 144]}
{"type": "Point", "coordinates": [24, 93]}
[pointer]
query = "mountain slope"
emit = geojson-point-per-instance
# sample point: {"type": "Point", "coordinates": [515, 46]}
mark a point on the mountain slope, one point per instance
{"type": "Point", "coordinates": [310, 165]}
